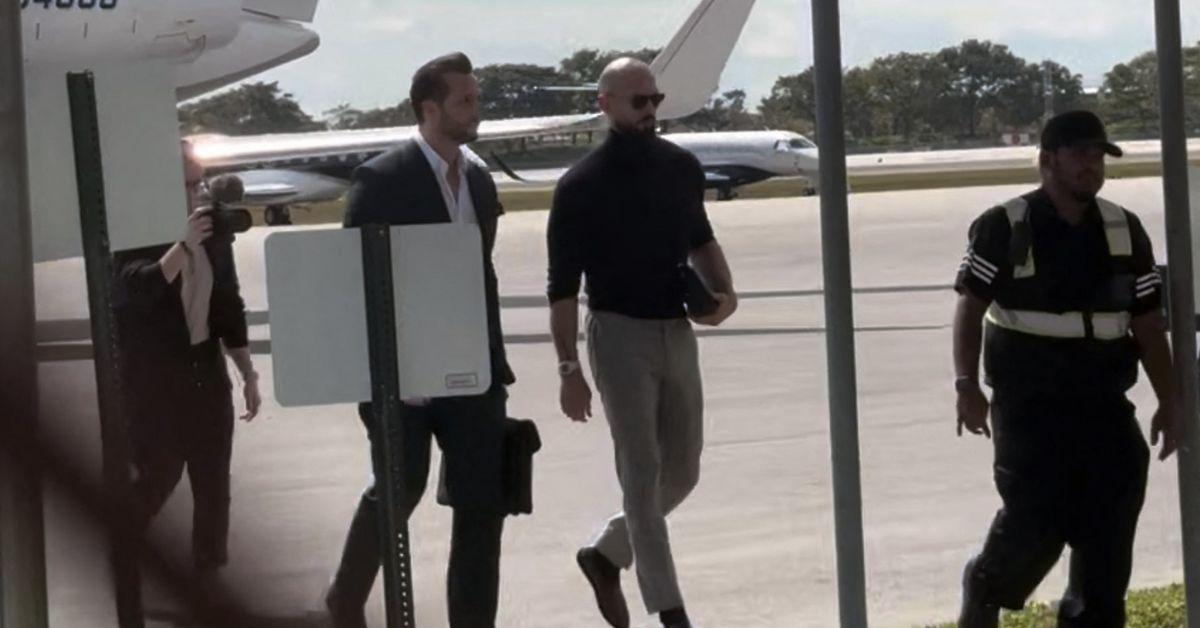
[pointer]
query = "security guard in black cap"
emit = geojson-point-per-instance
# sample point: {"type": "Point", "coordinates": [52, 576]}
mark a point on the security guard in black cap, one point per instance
{"type": "Point", "coordinates": [1067, 285]}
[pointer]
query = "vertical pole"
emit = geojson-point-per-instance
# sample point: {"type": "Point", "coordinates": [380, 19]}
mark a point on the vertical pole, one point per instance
{"type": "Point", "coordinates": [22, 533]}
{"type": "Point", "coordinates": [385, 406]}
{"type": "Point", "coordinates": [839, 316]}
{"type": "Point", "coordinates": [1183, 306]}
{"type": "Point", "coordinates": [1047, 93]}
{"type": "Point", "coordinates": [97, 257]}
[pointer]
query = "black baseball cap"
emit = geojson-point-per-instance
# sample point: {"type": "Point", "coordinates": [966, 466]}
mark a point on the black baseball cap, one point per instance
{"type": "Point", "coordinates": [1077, 129]}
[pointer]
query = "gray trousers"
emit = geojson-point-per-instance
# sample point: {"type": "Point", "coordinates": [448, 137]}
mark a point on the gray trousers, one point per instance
{"type": "Point", "coordinates": [648, 375]}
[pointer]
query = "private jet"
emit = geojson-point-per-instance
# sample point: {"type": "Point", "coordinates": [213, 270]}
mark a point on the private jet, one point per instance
{"type": "Point", "coordinates": [730, 159]}
{"type": "Point", "coordinates": [284, 169]}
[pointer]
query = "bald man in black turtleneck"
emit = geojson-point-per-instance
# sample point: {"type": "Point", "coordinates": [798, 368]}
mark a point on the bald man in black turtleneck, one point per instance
{"type": "Point", "coordinates": [626, 217]}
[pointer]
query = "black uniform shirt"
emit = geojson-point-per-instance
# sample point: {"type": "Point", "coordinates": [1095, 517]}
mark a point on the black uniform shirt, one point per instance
{"type": "Point", "coordinates": [626, 216]}
{"type": "Point", "coordinates": [1073, 273]}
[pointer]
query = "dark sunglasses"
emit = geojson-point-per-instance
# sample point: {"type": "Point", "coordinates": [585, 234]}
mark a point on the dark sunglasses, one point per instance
{"type": "Point", "coordinates": [641, 100]}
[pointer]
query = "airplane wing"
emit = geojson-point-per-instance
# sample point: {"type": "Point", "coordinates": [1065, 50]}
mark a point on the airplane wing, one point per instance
{"type": "Point", "coordinates": [330, 150]}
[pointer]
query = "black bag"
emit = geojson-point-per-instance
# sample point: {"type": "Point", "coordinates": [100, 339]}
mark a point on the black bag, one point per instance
{"type": "Point", "coordinates": [521, 441]}
{"type": "Point", "coordinates": [696, 297]}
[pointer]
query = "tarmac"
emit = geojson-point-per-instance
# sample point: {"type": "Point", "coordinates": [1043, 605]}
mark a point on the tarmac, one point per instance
{"type": "Point", "coordinates": [754, 545]}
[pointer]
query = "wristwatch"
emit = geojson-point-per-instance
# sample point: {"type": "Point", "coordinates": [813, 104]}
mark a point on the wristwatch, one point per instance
{"type": "Point", "coordinates": [963, 383]}
{"type": "Point", "coordinates": [567, 367]}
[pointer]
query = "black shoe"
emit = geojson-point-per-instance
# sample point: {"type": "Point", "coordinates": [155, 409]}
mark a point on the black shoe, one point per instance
{"type": "Point", "coordinates": [976, 613]}
{"type": "Point", "coordinates": [605, 579]}
{"type": "Point", "coordinates": [675, 618]}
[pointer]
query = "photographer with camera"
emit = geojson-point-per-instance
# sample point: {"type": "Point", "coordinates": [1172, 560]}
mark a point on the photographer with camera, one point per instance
{"type": "Point", "coordinates": [179, 308]}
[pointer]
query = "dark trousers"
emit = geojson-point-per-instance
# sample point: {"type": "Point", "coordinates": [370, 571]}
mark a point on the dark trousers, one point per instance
{"type": "Point", "coordinates": [470, 433]}
{"type": "Point", "coordinates": [188, 425]}
{"type": "Point", "coordinates": [1070, 472]}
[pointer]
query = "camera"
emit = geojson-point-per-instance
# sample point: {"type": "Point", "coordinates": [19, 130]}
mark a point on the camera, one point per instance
{"type": "Point", "coordinates": [223, 192]}
{"type": "Point", "coordinates": [226, 220]}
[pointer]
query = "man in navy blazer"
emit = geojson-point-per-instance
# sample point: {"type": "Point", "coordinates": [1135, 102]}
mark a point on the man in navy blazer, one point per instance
{"type": "Point", "coordinates": [433, 178]}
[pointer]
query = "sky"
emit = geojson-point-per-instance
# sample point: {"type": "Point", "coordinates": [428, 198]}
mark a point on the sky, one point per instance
{"type": "Point", "coordinates": [369, 48]}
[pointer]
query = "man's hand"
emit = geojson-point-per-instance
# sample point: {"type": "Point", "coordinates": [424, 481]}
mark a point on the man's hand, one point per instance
{"type": "Point", "coordinates": [973, 410]}
{"type": "Point", "coordinates": [252, 396]}
{"type": "Point", "coordinates": [1166, 424]}
{"type": "Point", "coordinates": [726, 306]}
{"type": "Point", "coordinates": [575, 397]}
{"type": "Point", "coordinates": [199, 228]}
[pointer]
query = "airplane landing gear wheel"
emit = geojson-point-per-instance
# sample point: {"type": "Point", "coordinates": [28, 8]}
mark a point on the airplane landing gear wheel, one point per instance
{"type": "Point", "coordinates": [276, 215]}
{"type": "Point", "coordinates": [726, 194]}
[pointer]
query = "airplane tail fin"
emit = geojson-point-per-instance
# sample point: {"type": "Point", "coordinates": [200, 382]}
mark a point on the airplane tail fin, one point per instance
{"type": "Point", "coordinates": [689, 69]}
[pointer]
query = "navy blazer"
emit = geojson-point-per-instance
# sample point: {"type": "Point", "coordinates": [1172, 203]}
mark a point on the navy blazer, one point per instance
{"type": "Point", "coordinates": [399, 187]}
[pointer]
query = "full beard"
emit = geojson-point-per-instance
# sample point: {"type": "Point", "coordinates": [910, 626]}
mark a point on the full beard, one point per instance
{"type": "Point", "coordinates": [645, 127]}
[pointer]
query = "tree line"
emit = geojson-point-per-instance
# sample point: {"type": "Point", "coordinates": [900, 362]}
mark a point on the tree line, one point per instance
{"type": "Point", "coordinates": [968, 94]}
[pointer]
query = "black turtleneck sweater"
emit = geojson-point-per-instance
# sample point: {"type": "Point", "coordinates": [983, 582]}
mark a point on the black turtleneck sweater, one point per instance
{"type": "Point", "coordinates": [625, 217]}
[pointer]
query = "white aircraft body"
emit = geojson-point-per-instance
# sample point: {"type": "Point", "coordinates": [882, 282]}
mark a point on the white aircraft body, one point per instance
{"type": "Point", "coordinates": [737, 158]}
{"type": "Point", "coordinates": [688, 69]}
{"type": "Point", "coordinates": [730, 159]}
{"type": "Point", "coordinates": [209, 43]}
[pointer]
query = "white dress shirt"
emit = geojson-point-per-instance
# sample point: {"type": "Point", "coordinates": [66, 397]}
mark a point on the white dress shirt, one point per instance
{"type": "Point", "coordinates": [462, 209]}
{"type": "Point", "coordinates": [196, 292]}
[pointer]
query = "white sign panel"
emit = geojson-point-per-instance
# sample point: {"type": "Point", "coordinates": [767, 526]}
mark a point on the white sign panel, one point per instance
{"type": "Point", "coordinates": [139, 145]}
{"type": "Point", "coordinates": [318, 314]}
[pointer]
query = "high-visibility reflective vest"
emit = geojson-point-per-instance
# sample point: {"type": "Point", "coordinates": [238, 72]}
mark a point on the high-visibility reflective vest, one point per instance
{"type": "Point", "coordinates": [1102, 325]}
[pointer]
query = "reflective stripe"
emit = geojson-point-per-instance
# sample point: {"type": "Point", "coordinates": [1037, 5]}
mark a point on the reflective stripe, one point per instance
{"type": "Point", "coordinates": [1105, 325]}
{"type": "Point", "coordinates": [979, 267]}
{"type": "Point", "coordinates": [1017, 210]}
{"type": "Point", "coordinates": [1116, 231]}
{"type": "Point", "coordinates": [1148, 285]}
{"type": "Point", "coordinates": [1116, 228]}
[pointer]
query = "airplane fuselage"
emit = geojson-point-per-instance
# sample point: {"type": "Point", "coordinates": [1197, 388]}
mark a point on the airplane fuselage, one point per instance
{"type": "Point", "coordinates": [771, 153]}
{"type": "Point", "coordinates": [210, 43]}
{"type": "Point", "coordinates": [67, 32]}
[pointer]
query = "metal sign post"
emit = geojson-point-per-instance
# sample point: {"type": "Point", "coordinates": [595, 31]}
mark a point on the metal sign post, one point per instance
{"type": "Point", "coordinates": [114, 435]}
{"type": "Point", "coordinates": [385, 406]}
